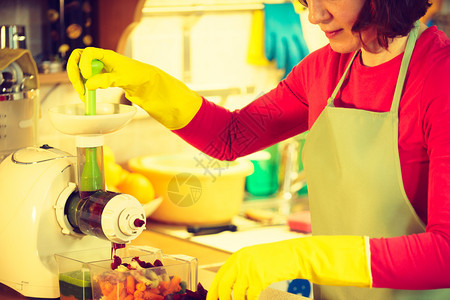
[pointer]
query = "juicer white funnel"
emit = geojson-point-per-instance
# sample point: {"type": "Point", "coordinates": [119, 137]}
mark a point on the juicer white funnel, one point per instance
{"type": "Point", "coordinates": [71, 119]}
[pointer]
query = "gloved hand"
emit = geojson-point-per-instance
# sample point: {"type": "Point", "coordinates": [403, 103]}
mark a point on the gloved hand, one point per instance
{"type": "Point", "coordinates": [165, 98]}
{"type": "Point", "coordinates": [283, 36]}
{"type": "Point", "coordinates": [329, 260]}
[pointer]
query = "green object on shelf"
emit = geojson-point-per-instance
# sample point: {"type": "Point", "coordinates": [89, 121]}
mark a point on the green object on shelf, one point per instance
{"type": "Point", "coordinates": [263, 180]}
{"type": "Point", "coordinates": [91, 177]}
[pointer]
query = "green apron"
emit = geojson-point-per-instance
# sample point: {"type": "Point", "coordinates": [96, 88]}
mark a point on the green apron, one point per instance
{"type": "Point", "coordinates": [355, 183]}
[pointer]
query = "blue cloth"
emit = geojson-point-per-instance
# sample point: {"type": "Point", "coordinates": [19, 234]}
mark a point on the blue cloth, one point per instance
{"type": "Point", "coordinates": [284, 40]}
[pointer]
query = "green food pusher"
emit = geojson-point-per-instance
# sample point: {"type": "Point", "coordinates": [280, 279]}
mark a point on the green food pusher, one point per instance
{"type": "Point", "coordinates": [92, 179]}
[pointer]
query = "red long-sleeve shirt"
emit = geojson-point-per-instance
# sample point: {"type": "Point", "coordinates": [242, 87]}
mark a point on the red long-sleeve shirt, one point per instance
{"type": "Point", "coordinates": [419, 261]}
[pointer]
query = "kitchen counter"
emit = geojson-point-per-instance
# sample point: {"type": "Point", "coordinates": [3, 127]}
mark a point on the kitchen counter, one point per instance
{"type": "Point", "coordinates": [7, 293]}
{"type": "Point", "coordinates": [209, 260]}
{"type": "Point", "coordinates": [172, 245]}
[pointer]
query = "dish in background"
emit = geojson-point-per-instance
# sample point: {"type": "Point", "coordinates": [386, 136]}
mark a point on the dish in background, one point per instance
{"type": "Point", "coordinates": [196, 189]}
{"type": "Point", "coordinates": [150, 207]}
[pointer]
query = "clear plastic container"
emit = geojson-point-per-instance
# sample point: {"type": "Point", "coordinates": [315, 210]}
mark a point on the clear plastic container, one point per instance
{"type": "Point", "coordinates": [88, 274]}
{"type": "Point", "coordinates": [74, 273]}
{"type": "Point", "coordinates": [176, 274]}
{"type": "Point", "coordinates": [91, 177]}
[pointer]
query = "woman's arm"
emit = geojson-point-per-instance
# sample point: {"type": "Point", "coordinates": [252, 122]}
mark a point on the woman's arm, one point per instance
{"type": "Point", "coordinates": [422, 261]}
{"type": "Point", "coordinates": [226, 135]}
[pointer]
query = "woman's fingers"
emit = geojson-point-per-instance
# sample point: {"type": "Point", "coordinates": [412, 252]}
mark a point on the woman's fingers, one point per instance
{"type": "Point", "coordinates": [73, 72]}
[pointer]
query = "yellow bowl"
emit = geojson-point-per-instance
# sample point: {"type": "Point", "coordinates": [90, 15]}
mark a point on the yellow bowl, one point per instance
{"type": "Point", "coordinates": [196, 189]}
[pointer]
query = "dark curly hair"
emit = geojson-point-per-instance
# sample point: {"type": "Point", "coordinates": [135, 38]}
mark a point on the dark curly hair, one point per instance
{"type": "Point", "coordinates": [391, 18]}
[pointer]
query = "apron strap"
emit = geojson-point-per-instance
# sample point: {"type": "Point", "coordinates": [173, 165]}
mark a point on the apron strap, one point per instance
{"type": "Point", "coordinates": [338, 86]}
{"type": "Point", "coordinates": [404, 67]}
{"type": "Point", "coordinates": [401, 77]}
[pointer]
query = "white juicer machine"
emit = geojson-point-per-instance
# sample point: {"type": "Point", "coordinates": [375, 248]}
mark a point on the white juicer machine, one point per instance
{"type": "Point", "coordinates": [44, 212]}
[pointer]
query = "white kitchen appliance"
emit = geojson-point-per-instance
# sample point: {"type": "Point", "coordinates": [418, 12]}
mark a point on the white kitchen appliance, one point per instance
{"type": "Point", "coordinates": [19, 100]}
{"type": "Point", "coordinates": [42, 212]}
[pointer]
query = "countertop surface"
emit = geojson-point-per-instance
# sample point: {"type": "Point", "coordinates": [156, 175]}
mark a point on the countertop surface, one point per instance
{"type": "Point", "coordinates": [209, 259]}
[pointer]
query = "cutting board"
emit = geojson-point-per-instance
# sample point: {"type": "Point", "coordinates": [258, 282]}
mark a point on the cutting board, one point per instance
{"type": "Point", "coordinates": [249, 233]}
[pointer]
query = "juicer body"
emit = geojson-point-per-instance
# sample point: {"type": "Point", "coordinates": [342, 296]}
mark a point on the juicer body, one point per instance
{"type": "Point", "coordinates": [34, 187]}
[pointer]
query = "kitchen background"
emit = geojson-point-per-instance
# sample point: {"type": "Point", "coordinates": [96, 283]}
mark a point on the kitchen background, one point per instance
{"type": "Point", "coordinates": [204, 43]}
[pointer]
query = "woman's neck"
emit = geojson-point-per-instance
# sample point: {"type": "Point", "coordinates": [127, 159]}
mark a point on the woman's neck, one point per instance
{"type": "Point", "coordinates": [376, 55]}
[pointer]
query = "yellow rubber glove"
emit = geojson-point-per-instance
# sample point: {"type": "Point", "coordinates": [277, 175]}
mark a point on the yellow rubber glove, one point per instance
{"type": "Point", "coordinates": [162, 96]}
{"type": "Point", "coordinates": [328, 260]}
{"type": "Point", "coordinates": [255, 53]}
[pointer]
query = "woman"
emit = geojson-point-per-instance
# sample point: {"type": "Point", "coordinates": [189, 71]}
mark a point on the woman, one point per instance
{"type": "Point", "coordinates": [376, 101]}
